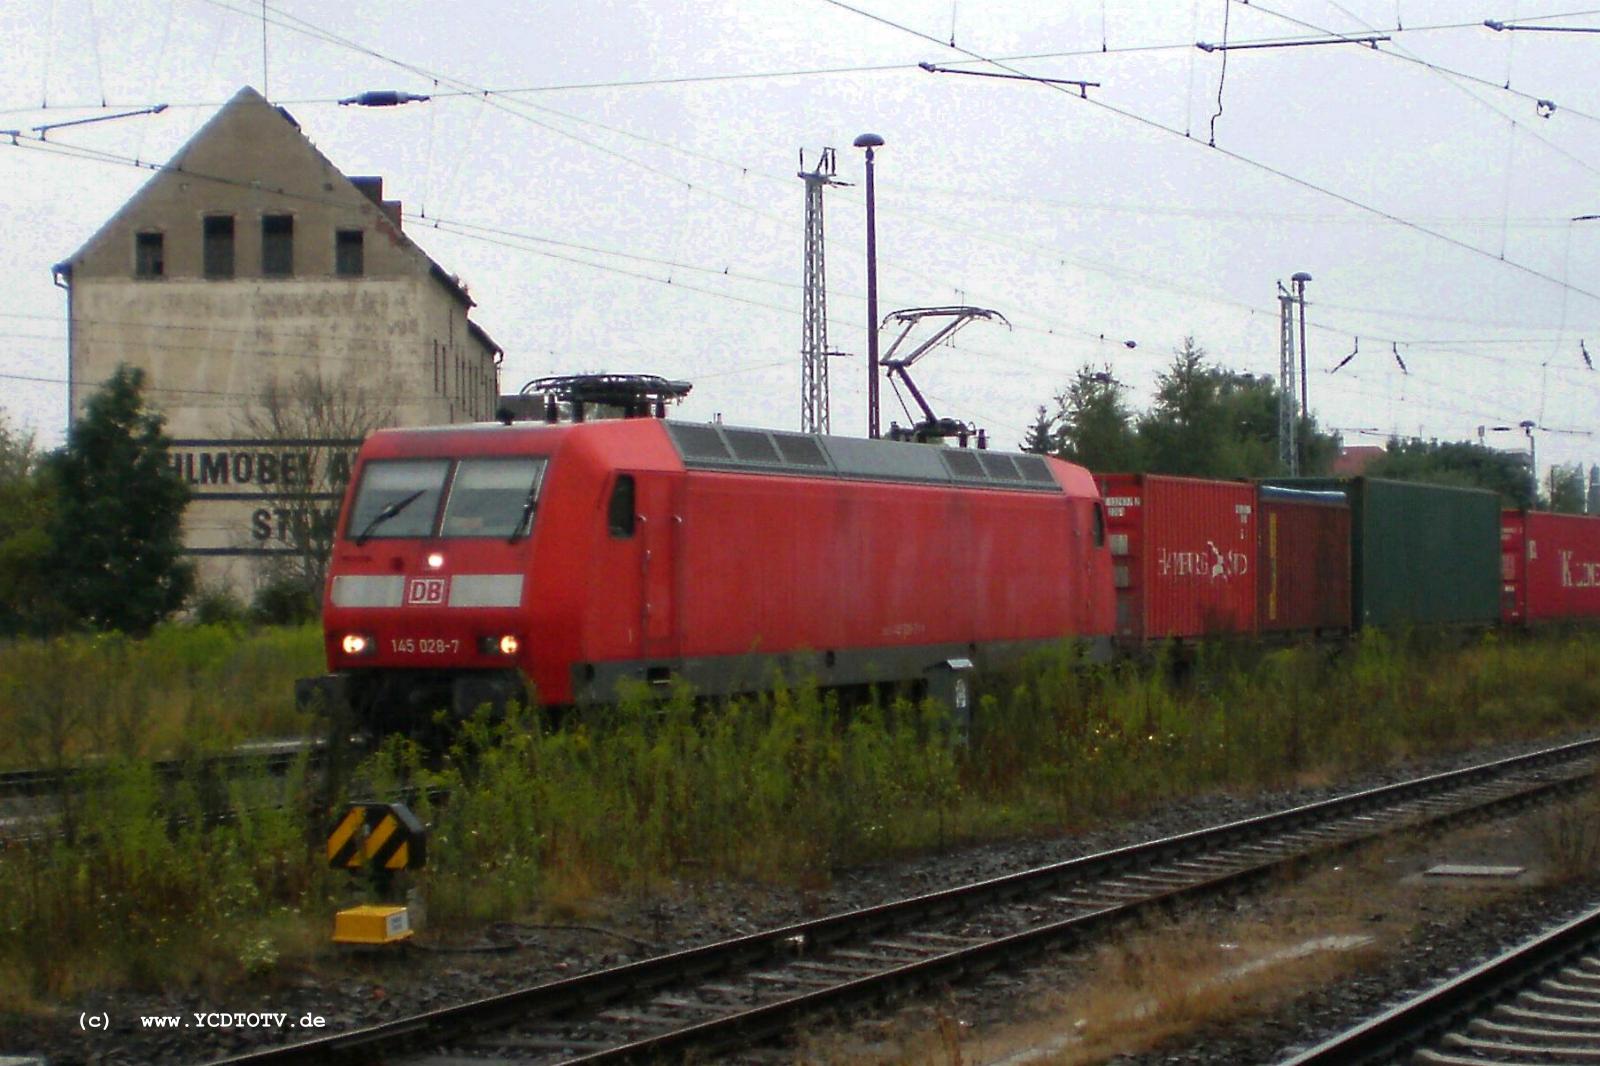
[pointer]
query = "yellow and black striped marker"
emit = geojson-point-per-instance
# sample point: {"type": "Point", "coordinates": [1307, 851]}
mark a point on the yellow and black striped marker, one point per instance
{"type": "Point", "coordinates": [378, 836]}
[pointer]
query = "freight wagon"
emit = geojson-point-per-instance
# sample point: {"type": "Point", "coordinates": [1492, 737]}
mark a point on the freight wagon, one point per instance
{"type": "Point", "coordinates": [1550, 567]}
{"type": "Point", "coordinates": [473, 560]}
{"type": "Point", "coordinates": [1303, 552]}
{"type": "Point", "coordinates": [1419, 554]}
{"type": "Point", "coordinates": [1183, 553]}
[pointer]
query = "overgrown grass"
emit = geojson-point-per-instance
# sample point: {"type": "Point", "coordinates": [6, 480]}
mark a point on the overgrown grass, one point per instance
{"type": "Point", "coordinates": [184, 686]}
{"type": "Point", "coordinates": [783, 788]}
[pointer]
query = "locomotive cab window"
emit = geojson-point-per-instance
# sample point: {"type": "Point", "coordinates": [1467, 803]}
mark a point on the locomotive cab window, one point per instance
{"type": "Point", "coordinates": [493, 498]}
{"type": "Point", "coordinates": [619, 515]}
{"type": "Point", "coordinates": [397, 498]}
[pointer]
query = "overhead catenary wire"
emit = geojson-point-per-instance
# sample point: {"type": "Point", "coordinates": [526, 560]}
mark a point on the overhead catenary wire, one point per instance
{"type": "Point", "coordinates": [796, 72]}
{"type": "Point", "coordinates": [1245, 160]}
{"type": "Point", "coordinates": [513, 240]}
{"type": "Point", "coordinates": [315, 31]}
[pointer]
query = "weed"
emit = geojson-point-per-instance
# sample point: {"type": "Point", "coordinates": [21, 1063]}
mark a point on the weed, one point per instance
{"type": "Point", "coordinates": [784, 787]}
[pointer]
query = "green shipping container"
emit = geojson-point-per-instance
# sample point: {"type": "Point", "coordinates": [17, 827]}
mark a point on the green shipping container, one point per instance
{"type": "Point", "coordinates": [1419, 554]}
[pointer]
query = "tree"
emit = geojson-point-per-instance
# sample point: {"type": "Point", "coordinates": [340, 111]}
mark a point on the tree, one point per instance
{"type": "Point", "coordinates": [1096, 426]}
{"type": "Point", "coordinates": [26, 503]}
{"type": "Point", "coordinates": [116, 530]}
{"type": "Point", "coordinates": [1041, 439]}
{"type": "Point", "coordinates": [1183, 433]}
{"type": "Point", "coordinates": [1567, 489]}
{"type": "Point", "coordinates": [1457, 463]}
{"type": "Point", "coordinates": [1206, 422]}
{"type": "Point", "coordinates": [322, 420]}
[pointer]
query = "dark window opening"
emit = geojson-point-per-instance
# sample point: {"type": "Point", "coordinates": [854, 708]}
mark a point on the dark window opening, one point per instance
{"type": "Point", "coordinates": [277, 246]}
{"type": "Point", "coordinates": [149, 257]}
{"type": "Point", "coordinates": [1099, 527]}
{"type": "Point", "coordinates": [619, 516]}
{"type": "Point", "coordinates": [218, 250]}
{"type": "Point", "coordinates": [348, 254]}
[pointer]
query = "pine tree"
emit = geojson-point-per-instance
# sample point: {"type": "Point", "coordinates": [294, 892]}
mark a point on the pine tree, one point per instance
{"type": "Point", "coordinates": [116, 534]}
{"type": "Point", "coordinates": [1041, 439]}
{"type": "Point", "coordinates": [1096, 425]}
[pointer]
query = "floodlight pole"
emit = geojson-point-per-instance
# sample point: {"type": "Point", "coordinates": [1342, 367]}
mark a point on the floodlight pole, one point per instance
{"type": "Point", "coordinates": [869, 141]}
{"type": "Point", "coordinates": [1300, 280]}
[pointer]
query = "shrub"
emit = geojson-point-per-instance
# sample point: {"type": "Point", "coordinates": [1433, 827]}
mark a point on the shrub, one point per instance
{"type": "Point", "coordinates": [285, 600]}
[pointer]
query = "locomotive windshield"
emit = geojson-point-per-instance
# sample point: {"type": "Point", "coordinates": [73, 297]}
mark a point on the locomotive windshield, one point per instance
{"type": "Point", "coordinates": [398, 498]}
{"type": "Point", "coordinates": [492, 497]}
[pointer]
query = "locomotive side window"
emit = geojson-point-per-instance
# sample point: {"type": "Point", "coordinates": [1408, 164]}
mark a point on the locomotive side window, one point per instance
{"type": "Point", "coordinates": [397, 498]}
{"type": "Point", "coordinates": [1099, 525]}
{"type": "Point", "coordinates": [619, 515]}
{"type": "Point", "coordinates": [493, 497]}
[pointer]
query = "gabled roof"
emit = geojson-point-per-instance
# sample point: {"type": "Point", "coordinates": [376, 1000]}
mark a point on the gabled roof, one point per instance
{"type": "Point", "coordinates": [205, 157]}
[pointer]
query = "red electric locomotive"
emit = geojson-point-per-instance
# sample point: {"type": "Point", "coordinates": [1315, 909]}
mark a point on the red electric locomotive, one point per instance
{"type": "Point", "coordinates": [473, 562]}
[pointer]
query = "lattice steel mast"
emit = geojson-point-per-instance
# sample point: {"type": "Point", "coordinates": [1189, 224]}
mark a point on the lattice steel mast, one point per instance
{"type": "Point", "coordinates": [814, 351]}
{"type": "Point", "coordinates": [1288, 453]}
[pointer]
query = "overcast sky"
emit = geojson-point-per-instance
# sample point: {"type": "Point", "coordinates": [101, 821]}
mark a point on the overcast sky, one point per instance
{"type": "Point", "coordinates": [626, 198]}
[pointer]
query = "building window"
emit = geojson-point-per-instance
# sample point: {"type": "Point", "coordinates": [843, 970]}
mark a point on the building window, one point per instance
{"type": "Point", "coordinates": [218, 249]}
{"type": "Point", "coordinates": [348, 260]}
{"type": "Point", "coordinates": [149, 257]}
{"type": "Point", "coordinates": [277, 246]}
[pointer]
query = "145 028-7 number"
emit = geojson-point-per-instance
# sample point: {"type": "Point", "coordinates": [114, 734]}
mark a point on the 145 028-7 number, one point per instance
{"type": "Point", "coordinates": [424, 646]}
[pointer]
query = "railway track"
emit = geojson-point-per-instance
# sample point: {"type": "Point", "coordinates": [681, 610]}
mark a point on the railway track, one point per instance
{"type": "Point", "coordinates": [34, 800]}
{"type": "Point", "coordinates": [1537, 1003]}
{"type": "Point", "coordinates": [740, 991]}
{"type": "Point", "coordinates": [275, 756]}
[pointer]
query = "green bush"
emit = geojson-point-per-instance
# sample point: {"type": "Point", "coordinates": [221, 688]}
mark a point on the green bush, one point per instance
{"type": "Point", "coordinates": [786, 787]}
{"type": "Point", "coordinates": [285, 600]}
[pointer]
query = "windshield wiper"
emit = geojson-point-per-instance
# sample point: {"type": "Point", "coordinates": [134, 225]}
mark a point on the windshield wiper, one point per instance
{"type": "Point", "coordinates": [388, 512]}
{"type": "Point", "coordinates": [527, 513]}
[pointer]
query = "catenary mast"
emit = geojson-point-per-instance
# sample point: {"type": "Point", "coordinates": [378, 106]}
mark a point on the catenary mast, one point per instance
{"type": "Point", "coordinates": [814, 340]}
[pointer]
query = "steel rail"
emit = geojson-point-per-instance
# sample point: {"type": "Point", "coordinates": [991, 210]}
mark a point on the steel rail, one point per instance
{"type": "Point", "coordinates": [597, 990]}
{"type": "Point", "coordinates": [276, 757]}
{"type": "Point", "coordinates": [1420, 1020]}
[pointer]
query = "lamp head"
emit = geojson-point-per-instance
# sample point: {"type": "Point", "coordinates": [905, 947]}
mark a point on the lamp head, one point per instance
{"type": "Point", "coordinates": [869, 140]}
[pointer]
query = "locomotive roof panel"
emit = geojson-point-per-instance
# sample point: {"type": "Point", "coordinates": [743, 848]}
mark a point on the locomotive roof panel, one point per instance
{"type": "Point", "coordinates": [706, 446]}
{"type": "Point", "coordinates": [645, 443]}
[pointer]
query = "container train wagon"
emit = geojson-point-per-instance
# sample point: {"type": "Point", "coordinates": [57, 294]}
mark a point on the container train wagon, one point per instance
{"type": "Point", "coordinates": [1550, 567]}
{"type": "Point", "coordinates": [1420, 555]}
{"type": "Point", "coordinates": [471, 561]}
{"type": "Point", "coordinates": [481, 564]}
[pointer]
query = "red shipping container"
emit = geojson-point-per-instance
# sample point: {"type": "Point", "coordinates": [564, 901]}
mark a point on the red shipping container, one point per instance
{"type": "Point", "coordinates": [1304, 553]}
{"type": "Point", "coordinates": [1183, 554]}
{"type": "Point", "coordinates": [1513, 565]}
{"type": "Point", "coordinates": [1550, 566]}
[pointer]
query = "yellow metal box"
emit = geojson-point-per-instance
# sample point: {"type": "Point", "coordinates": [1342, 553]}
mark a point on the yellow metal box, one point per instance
{"type": "Point", "coordinates": [371, 924]}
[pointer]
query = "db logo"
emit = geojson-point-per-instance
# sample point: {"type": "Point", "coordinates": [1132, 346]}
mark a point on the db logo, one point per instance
{"type": "Point", "coordinates": [428, 591]}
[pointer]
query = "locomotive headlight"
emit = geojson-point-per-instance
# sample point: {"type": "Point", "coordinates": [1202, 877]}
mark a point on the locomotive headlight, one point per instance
{"type": "Point", "coordinates": [505, 644]}
{"type": "Point", "coordinates": [435, 560]}
{"type": "Point", "coordinates": [356, 644]}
